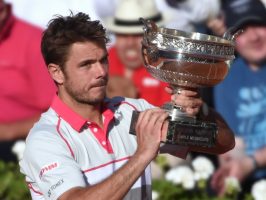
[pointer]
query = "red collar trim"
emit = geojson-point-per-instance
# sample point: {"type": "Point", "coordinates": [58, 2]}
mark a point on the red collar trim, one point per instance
{"type": "Point", "coordinates": [74, 119]}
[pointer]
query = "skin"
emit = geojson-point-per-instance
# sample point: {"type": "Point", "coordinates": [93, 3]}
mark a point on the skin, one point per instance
{"type": "Point", "coordinates": [217, 25]}
{"type": "Point", "coordinates": [82, 85]}
{"type": "Point", "coordinates": [251, 45]}
{"type": "Point", "coordinates": [129, 51]}
{"type": "Point", "coordinates": [240, 167]}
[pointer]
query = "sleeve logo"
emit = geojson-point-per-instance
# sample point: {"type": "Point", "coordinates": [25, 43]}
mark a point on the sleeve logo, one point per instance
{"type": "Point", "coordinates": [48, 167]}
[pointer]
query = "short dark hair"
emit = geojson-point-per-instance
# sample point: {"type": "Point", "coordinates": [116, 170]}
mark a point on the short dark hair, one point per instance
{"type": "Point", "coordinates": [62, 32]}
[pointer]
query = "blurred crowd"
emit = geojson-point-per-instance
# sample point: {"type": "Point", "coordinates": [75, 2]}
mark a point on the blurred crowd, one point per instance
{"type": "Point", "coordinates": [26, 90]}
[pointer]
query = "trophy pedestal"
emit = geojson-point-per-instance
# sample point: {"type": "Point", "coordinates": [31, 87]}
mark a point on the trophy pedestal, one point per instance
{"type": "Point", "coordinates": [186, 131]}
{"type": "Point", "coordinates": [198, 133]}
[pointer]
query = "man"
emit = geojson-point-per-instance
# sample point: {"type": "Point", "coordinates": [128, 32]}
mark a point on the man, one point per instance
{"type": "Point", "coordinates": [26, 88]}
{"type": "Point", "coordinates": [241, 97]}
{"type": "Point", "coordinates": [125, 57]}
{"type": "Point", "coordinates": [81, 147]}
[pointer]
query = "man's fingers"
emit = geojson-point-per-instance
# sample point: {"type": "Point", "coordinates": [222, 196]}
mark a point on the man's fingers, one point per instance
{"type": "Point", "coordinates": [188, 93]}
{"type": "Point", "coordinates": [186, 102]}
{"type": "Point", "coordinates": [151, 116]}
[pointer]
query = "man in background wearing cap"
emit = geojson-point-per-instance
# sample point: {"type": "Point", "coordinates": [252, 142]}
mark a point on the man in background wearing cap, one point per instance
{"type": "Point", "coordinates": [125, 59]}
{"type": "Point", "coordinates": [241, 97]}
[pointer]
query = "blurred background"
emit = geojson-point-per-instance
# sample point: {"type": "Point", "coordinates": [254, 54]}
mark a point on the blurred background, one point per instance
{"type": "Point", "coordinates": [26, 89]}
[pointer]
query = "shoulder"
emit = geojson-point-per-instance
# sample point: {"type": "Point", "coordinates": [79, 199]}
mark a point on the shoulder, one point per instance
{"type": "Point", "coordinates": [133, 104]}
{"type": "Point", "coordinates": [43, 140]}
{"type": "Point", "coordinates": [44, 132]}
{"type": "Point", "coordinates": [238, 64]}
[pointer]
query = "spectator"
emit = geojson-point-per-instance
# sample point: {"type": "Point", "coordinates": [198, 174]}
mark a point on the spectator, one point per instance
{"type": "Point", "coordinates": [39, 12]}
{"type": "Point", "coordinates": [81, 148]}
{"type": "Point", "coordinates": [26, 89]}
{"type": "Point", "coordinates": [125, 58]}
{"type": "Point", "coordinates": [189, 15]}
{"type": "Point", "coordinates": [241, 97]}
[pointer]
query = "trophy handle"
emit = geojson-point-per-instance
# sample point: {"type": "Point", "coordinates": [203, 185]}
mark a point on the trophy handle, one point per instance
{"type": "Point", "coordinates": [232, 33]}
{"type": "Point", "coordinates": [149, 25]}
{"type": "Point", "coordinates": [149, 28]}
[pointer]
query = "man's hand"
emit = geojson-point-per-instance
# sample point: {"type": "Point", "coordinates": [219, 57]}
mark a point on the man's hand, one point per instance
{"type": "Point", "coordinates": [239, 168]}
{"type": "Point", "coordinates": [150, 129]}
{"type": "Point", "coordinates": [188, 100]}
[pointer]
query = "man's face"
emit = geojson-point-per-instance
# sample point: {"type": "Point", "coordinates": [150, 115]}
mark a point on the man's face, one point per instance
{"type": "Point", "coordinates": [251, 44]}
{"type": "Point", "coordinates": [129, 49]}
{"type": "Point", "coordinates": [86, 73]}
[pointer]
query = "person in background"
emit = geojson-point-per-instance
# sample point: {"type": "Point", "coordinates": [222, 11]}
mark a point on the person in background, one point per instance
{"type": "Point", "coordinates": [189, 15]}
{"type": "Point", "coordinates": [81, 147]}
{"type": "Point", "coordinates": [241, 97]}
{"type": "Point", "coordinates": [39, 12]}
{"type": "Point", "coordinates": [26, 89]}
{"type": "Point", "coordinates": [125, 57]}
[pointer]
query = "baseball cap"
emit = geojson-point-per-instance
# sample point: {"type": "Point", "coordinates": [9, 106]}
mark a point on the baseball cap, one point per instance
{"type": "Point", "coordinates": [240, 13]}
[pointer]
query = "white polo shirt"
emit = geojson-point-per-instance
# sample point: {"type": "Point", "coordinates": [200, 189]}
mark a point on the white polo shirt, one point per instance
{"type": "Point", "coordinates": [63, 150]}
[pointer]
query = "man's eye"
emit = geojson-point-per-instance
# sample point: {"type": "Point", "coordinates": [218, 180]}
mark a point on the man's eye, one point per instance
{"type": "Point", "coordinates": [86, 64]}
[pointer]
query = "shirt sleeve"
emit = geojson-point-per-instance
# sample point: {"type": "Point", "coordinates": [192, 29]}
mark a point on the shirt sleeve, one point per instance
{"type": "Point", "coordinates": [49, 165]}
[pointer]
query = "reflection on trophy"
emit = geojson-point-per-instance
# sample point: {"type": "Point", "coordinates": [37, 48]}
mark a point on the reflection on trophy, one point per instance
{"type": "Point", "coordinates": [191, 61]}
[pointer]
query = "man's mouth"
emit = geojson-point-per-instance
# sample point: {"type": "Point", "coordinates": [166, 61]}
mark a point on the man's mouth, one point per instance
{"type": "Point", "coordinates": [100, 83]}
{"type": "Point", "coordinates": [131, 54]}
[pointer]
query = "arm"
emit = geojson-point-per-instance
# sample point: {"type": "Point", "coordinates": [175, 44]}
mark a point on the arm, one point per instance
{"type": "Point", "coordinates": [148, 128]}
{"type": "Point", "coordinates": [225, 138]}
{"type": "Point", "coordinates": [18, 129]}
{"type": "Point", "coordinates": [238, 167]}
{"type": "Point", "coordinates": [114, 187]}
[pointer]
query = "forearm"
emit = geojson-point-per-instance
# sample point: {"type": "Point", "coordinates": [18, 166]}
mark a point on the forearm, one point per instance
{"type": "Point", "coordinates": [225, 140]}
{"type": "Point", "coordinates": [114, 187]}
{"type": "Point", "coordinates": [18, 129]}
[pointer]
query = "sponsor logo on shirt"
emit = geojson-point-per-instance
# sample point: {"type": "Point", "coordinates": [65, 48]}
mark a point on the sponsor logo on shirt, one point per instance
{"type": "Point", "coordinates": [53, 187]}
{"type": "Point", "coordinates": [47, 168]}
{"type": "Point", "coordinates": [151, 82]}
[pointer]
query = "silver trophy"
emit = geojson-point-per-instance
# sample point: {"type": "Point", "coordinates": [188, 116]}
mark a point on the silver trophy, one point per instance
{"type": "Point", "coordinates": [186, 60]}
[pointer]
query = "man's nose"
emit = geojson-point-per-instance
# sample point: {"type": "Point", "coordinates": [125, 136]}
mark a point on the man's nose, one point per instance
{"type": "Point", "coordinates": [131, 40]}
{"type": "Point", "coordinates": [102, 68]}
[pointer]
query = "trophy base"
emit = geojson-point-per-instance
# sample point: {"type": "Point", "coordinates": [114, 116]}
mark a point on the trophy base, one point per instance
{"type": "Point", "coordinates": [196, 133]}
{"type": "Point", "coordinates": [186, 133]}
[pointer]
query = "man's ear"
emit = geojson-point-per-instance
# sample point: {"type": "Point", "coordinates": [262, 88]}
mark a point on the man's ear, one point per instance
{"type": "Point", "coordinates": [56, 73]}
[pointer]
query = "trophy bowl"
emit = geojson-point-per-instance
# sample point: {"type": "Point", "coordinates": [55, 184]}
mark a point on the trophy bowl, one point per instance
{"type": "Point", "coordinates": [186, 60]}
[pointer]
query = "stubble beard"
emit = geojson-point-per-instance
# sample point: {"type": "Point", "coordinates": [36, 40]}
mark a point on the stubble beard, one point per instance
{"type": "Point", "coordinates": [83, 97]}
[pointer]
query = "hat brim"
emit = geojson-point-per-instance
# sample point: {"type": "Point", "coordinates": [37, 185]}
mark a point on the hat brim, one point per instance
{"type": "Point", "coordinates": [132, 29]}
{"type": "Point", "coordinates": [246, 21]}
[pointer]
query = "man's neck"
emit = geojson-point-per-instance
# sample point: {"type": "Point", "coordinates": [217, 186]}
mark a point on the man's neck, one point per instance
{"type": "Point", "coordinates": [129, 73]}
{"type": "Point", "coordinates": [256, 66]}
{"type": "Point", "coordinates": [90, 112]}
